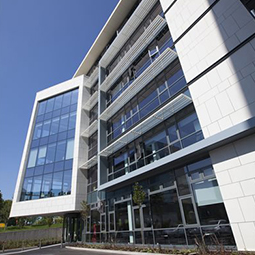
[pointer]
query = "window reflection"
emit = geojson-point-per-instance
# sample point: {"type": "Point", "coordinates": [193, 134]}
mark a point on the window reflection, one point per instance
{"type": "Point", "coordinates": [165, 209]}
{"type": "Point", "coordinates": [157, 143]}
{"type": "Point", "coordinates": [51, 148]}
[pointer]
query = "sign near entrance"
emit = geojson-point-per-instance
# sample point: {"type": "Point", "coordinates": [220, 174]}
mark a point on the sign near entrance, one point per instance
{"type": "Point", "coordinates": [2, 225]}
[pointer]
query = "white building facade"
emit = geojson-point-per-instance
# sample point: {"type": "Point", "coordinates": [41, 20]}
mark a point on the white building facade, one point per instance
{"type": "Point", "coordinates": [165, 97]}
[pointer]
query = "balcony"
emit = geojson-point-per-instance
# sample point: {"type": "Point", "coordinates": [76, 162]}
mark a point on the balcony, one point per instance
{"type": "Point", "coordinates": [153, 120]}
{"type": "Point", "coordinates": [90, 130]}
{"type": "Point", "coordinates": [145, 39]}
{"type": "Point", "coordinates": [89, 82]}
{"type": "Point", "coordinates": [91, 102]}
{"type": "Point", "coordinates": [88, 164]}
{"type": "Point", "coordinates": [163, 60]}
{"type": "Point", "coordinates": [168, 43]}
{"type": "Point", "coordinates": [134, 21]}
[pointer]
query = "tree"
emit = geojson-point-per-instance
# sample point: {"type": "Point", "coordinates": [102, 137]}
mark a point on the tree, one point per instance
{"type": "Point", "coordinates": [49, 221]}
{"type": "Point", "coordinates": [5, 211]}
{"type": "Point", "coordinates": [85, 209]}
{"type": "Point", "coordinates": [1, 200]}
{"type": "Point", "coordinates": [138, 198]}
{"type": "Point", "coordinates": [21, 222]}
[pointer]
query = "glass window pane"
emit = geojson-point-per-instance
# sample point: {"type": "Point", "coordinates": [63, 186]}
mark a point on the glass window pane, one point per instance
{"type": "Point", "coordinates": [188, 210]}
{"type": "Point", "coordinates": [207, 192]}
{"type": "Point", "coordinates": [54, 126]}
{"type": "Point", "coordinates": [95, 221]}
{"type": "Point", "coordinates": [111, 221]}
{"type": "Point", "coordinates": [147, 98]}
{"type": "Point", "coordinates": [74, 98]}
{"type": "Point", "coordinates": [209, 203]}
{"type": "Point", "coordinates": [32, 157]}
{"type": "Point", "coordinates": [182, 182]}
{"type": "Point", "coordinates": [69, 149]}
{"type": "Point", "coordinates": [42, 107]}
{"type": "Point", "coordinates": [121, 216]}
{"type": "Point", "coordinates": [165, 209]}
{"type": "Point", "coordinates": [137, 218]}
{"type": "Point", "coordinates": [67, 182]}
{"type": "Point", "coordinates": [46, 128]}
{"type": "Point", "coordinates": [63, 123]}
{"type": "Point", "coordinates": [72, 120]}
{"type": "Point", "coordinates": [51, 153]}
{"type": "Point", "coordinates": [189, 125]}
{"type": "Point", "coordinates": [57, 184]}
{"type": "Point", "coordinates": [27, 188]}
{"type": "Point", "coordinates": [67, 99]}
{"type": "Point", "coordinates": [37, 131]}
{"type": "Point", "coordinates": [60, 154]}
{"type": "Point", "coordinates": [41, 155]}
{"type": "Point", "coordinates": [50, 104]}
{"type": "Point", "coordinates": [36, 187]}
{"type": "Point", "coordinates": [46, 186]}
{"type": "Point", "coordinates": [58, 102]}
{"type": "Point", "coordinates": [172, 132]}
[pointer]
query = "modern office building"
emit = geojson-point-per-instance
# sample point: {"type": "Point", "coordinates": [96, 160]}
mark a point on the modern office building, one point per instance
{"type": "Point", "coordinates": [165, 97]}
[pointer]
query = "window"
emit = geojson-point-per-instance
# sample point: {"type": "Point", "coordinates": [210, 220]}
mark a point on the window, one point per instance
{"type": "Point", "coordinates": [37, 131]}
{"type": "Point", "coordinates": [209, 202]}
{"type": "Point", "coordinates": [69, 149]}
{"type": "Point", "coordinates": [157, 143]}
{"type": "Point", "coordinates": [57, 184]}
{"type": "Point", "coordinates": [41, 155]}
{"type": "Point", "coordinates": [51, 151]}
{"type": "Point", "coordinates": [165, 209]}
{"type": "Point", "coordinates": [46, 185]}
{"type": "Point", "coordinates": [147, 100]}
{"type": "Point", "coordinates": [60, 153]}
{"type": "Point", "coordinates": [32, 158]}
{"type": "Point", "coordinates": [67, 182]}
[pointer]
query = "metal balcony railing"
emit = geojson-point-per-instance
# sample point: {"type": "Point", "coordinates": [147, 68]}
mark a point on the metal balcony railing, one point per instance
{"type": "Point", "coordinates": [162, 114]}
{"type": "Point", "coordinates": [167, 44]}
{"type": "Point", "coordinates": [124, 34]}
{"type": "Point", "coordinates": [163, 60]}
{"type": "Point", "coordinates": [140, 45]}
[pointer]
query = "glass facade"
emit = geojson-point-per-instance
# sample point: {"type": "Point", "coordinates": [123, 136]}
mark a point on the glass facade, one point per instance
{"type": "Point", "coordinates": [173, 134]}
{"type": "Point", "coordinates": [155, 94]}
{"type": "Point", "coordinates": [50, 159]}
{"type": "Point", "coordinates": [181, 204]}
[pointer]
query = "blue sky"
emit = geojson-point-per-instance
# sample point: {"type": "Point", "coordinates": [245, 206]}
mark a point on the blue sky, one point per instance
{"type": "Point", "coordinates": [42, 43]}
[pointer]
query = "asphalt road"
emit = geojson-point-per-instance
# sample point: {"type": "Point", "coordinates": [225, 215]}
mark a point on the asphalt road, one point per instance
{"type": "Point", "coordinates": [58, 251]}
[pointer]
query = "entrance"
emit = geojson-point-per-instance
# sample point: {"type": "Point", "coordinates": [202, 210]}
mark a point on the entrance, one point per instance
{"type": "Point", "coordinates": [72, 228]}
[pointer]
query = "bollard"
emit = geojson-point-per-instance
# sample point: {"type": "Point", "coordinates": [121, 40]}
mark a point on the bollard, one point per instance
{"type": "Point", "coordinates": [22, 245]}
{"type": "Point", "coordinates": [3, 247]}
{"type": "Point", "coordinates": [40, 244]}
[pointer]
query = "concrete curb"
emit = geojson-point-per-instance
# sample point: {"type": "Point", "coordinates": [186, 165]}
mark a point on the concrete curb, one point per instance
{"type": "Point", "coordinates": [113, 251]}
{"type": "Point", "coordinates": [30, 249]}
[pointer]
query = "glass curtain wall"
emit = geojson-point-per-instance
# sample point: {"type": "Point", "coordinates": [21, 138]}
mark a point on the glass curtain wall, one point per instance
{"type": "Point", "coordinates": [155, 94]}
{"type": "Point", "coordinates": [173, 134]}
{"type": "Point", "coordinates": [49, 164]}
{"type": "Point", "coordinates": [181, 205]}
